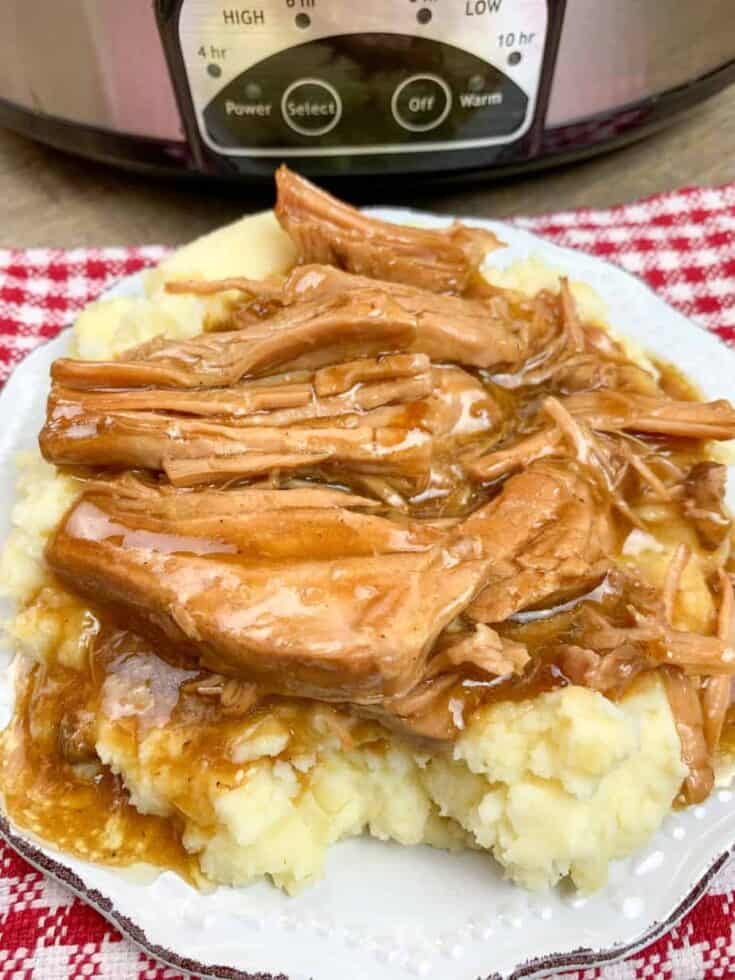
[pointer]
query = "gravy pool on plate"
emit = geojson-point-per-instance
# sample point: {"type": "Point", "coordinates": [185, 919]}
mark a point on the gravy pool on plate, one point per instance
{"type": "Point", "coordinates": [372, 542]}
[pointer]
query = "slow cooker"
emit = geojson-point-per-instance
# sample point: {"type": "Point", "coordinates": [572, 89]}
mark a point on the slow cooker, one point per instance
{"type": "Point", "coordinates": [419, 88]}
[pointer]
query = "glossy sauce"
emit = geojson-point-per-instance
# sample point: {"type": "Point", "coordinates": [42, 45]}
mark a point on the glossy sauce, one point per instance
{"type": "Point", "coordinates": [727, 739]}
{"type": "Point", "coordinates": [53, 783]}
{"type": "Point", "coordinates": [50, 776]}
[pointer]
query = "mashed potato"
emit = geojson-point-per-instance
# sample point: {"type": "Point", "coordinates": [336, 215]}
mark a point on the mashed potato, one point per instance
{"type": "Point", "coordinates": [564, 784]}
{"type": "Point", "coordinates": [109, 327]}
{"type": "Point", "coordinates": [43, 494]}
{"type": "Point", "coordinates": [533, 274]}
{"type": "Point", "coordinates": [552, 787]}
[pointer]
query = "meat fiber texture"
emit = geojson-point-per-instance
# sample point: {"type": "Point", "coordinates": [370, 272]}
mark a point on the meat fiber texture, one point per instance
{"type": "Point", "coordinates": [555, 786]}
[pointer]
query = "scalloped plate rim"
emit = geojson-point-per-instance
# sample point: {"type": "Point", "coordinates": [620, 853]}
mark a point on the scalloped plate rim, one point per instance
{"type": "Point", "coordinates": [42, 856]}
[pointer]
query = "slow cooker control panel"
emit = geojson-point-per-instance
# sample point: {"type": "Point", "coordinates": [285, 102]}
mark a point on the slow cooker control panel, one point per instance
{"type": "Point", "coordinates": [287, 78]}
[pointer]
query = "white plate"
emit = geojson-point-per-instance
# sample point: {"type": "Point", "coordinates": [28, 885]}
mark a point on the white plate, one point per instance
{"type": "Point", "coordinates": [388, 911]}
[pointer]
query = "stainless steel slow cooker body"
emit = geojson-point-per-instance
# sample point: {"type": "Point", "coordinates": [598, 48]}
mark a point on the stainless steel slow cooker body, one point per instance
{"type": "Point", "coordinates": [433, 87]}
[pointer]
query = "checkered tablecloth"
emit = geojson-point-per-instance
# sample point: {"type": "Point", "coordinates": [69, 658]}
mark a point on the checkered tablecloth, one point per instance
{"type": "Point", "coordinates": [682, 243]}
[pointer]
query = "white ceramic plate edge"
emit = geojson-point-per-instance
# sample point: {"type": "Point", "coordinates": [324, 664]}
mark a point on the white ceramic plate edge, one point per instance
{"type": "Point", "coordinates": [712, 365]}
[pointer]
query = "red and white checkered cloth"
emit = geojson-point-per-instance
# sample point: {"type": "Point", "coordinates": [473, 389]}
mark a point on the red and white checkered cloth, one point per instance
{"type": "Point", "coordinates": [682, 243]}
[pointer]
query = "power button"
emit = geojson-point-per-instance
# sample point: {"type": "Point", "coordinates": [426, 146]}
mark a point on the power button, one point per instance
{"type": "Point", "coordinates": [421, 103]}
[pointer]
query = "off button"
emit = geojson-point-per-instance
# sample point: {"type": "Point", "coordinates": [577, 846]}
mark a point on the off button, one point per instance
{"type": "Point", "coordinates": [421, 103]}
{"type": "Point", "coordinates": [311, 107]}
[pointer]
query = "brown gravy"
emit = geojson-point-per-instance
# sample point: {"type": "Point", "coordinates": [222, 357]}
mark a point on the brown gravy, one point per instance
{"type": "Point", "coordinates": [81, 806]}
{"type": "Point", "coordinates": [52, 781]}
{"type": "Point", "coordinates": [54, 785]}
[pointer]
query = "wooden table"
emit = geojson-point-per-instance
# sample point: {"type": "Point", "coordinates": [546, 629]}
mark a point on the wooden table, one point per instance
{"type": "Point", "coordinates": [50, 199]}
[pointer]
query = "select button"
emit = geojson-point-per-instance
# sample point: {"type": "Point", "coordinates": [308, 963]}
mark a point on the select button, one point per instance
{"type": "Point", "coordinates": [311, 107]}
{"type": "Point", "coordinates": [421, 103]}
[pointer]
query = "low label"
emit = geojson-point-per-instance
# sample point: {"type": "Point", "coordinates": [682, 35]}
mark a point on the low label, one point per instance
{"type": "Point", "coordinates": [478, 8]}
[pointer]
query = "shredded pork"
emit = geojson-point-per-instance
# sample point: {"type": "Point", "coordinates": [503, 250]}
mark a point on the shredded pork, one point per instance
{"type": "Point", "coordinates": [386, 484]}
{"type": "Point", "coordinates": [330, 232]}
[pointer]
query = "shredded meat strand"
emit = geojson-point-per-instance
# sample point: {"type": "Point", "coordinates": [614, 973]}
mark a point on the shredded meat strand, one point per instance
{"type": "Point", "coordinates": [717, 695]}
{"type": "Point", "coordinates": [328, 231]}
{"type": "Point", "coordinates": [381, 482]}
{"type": "Point", "coordinates": [572, 323]}
{"type": "Point", "coordinates": [687, 711]}
{"type": "Point", "coordinates": [677, 567]}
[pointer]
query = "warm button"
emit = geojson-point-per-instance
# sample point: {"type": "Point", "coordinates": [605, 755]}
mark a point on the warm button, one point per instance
{"type": "Point", "coordinates": [421, 103]}
{"type": "Point", "coordinates": [311, 107]}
